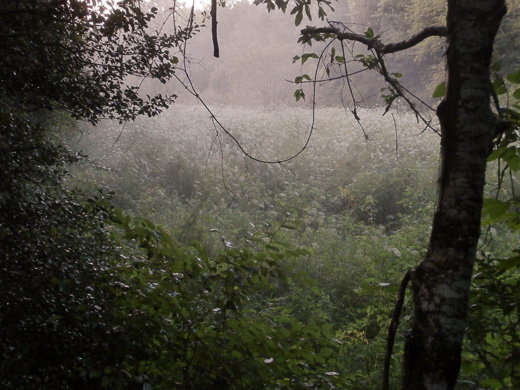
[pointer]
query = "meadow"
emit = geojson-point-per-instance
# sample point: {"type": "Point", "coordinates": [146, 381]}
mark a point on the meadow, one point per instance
{"type": "Point", "coordinates": [345, 219]}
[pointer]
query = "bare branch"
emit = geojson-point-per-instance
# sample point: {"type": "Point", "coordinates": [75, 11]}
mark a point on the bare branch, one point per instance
{"type": "Point", "coordinates": [432, 31]}
{"type": "Point", "coordinates": [354, 109]}
{"type": "Point", "coordinates": [190, 87]}
{"type": "Point", "coordinates": [375, 43]}
{"type": "Point", "coordinates": [400, 91]}
{"type": "Point", "coordinates": [328, 79]}
{"type": "Point", "coordinates": [392, 329]}
{"type": "Point", "coordinates": [213, 13]}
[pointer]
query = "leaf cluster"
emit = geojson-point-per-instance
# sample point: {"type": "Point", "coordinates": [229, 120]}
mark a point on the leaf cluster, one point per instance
{"type": "Point", "coordinates": [299, 8]}
{"type": "Point", "coordinates": [492, 356]}
{"type": "Point", "coordinates": [79, 56]}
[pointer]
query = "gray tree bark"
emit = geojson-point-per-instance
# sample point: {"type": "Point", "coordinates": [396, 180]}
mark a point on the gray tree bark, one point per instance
{"type": "Point", "coordinates": [441, 282]}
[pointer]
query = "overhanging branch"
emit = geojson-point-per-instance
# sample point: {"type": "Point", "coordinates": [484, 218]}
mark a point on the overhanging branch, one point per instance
{"type": "Point", "coordinates": [376, 61]}
{"type": "Point", "coordinates": [375, 43]}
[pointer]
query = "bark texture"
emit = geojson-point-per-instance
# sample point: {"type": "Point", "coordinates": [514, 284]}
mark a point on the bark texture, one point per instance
{"type": "Point", "coordinates": [441, 283]}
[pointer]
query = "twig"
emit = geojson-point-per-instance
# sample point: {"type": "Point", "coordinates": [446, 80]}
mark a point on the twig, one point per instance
{"type": "Point", "coordinates": [190, 87]}
{"type": "Point", "coordinates": [214, 23]}
{"type": "Point", "coordinates": [396, 139]}
{"type": "Point", "coordinates": [392, 329]}
{"type": "Point", "coordinates": [354, 109]}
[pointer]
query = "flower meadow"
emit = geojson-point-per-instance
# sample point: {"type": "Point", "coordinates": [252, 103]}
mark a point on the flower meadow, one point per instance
{"type": "Point", "coordinates": [184, 160]}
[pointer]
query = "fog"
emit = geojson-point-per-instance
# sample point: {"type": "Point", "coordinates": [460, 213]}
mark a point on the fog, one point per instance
{"type": "Point", "coordinates": [255, 67]}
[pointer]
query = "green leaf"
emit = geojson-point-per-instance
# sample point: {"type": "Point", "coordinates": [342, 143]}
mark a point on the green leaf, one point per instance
{"type": "Point", "coordinates": [282, 4]}
{"type": "Point", "coordinates": [332, 55]}
{"type": "Point", "coordinates": [369, 33]}
{"type": "Point", "coordinates": [306, 56]}
{"type": "Point", "coordinates": [514, 77]}
{"type": "Point", "coordinates": [308, 11]}
{"type": "Point", "coordinates": [499, 85]}
{"type": "Point", "coordinates": [496, 66]}
{"type": "Point", "coordinates": [494, 208]}
{"type": "Point", "coordinates": [491, 383]}
{"type": "Point", "coordinates": [236, 354]}
{"type": "Point", "coordinates": [299, 17]}
{"type": "Point", "coordinates": [512, 158]}
{"type": "Point", "coordinates": [509, 263]}
{"type": "Point", "coordinates": [516, 94]}
{"type": "Point", "coordinates": [326, 351]}
{"type": "Point", "coordinates": [440, 90]}
{"type": "Point", "coordinates": [299, 94]}
{"type": "Point", "coordinates": [497, 153]}
{"type": "Point", "coordinates": [299, 79]}
{"type": "Point", "coordinates": [185, 313]}
{"type": "Point", "coordinates": [305, 40]}
{"type": "Point", "coordinates": [54, 318]}
{"type": "Point", "coordinates": [321, 13]}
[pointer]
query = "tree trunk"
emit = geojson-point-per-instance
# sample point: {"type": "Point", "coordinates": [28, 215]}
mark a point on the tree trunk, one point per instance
{"type": "Point", "coordinates": [441, 283]}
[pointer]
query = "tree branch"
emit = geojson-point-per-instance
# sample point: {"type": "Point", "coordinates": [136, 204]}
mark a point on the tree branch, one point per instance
{"type": "Point", "coordinates": [392, 330]}
{"type": "Point", "coordinates": [375, 43]}
{"type": "Point", "coordinates": [213, 13]}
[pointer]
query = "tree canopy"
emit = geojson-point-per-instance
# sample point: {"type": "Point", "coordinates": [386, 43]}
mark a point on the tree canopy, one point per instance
{"type": "Point", "coordinates": [82, 57]}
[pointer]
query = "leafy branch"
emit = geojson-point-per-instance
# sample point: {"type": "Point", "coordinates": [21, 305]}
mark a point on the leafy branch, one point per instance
{"type": "Point", "coordinates": [375, 61]}
{"type": "Point", "coordinates": [373, 42]}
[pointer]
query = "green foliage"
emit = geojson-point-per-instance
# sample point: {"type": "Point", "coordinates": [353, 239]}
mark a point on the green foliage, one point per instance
{"type": "Point", "coordinates": [299, 94]}
{"type": "Point", "coordinates": [363, 215]}
{"type": "Point", "coordinates": [503, 208]}
{"type": "Point", "coordinates": [369, 33]}
{"type": "Point", "coordinates": [57, 252]}
{"type": "Point", "coordinates": [299, 8]}
{"type": "Point", "coordinates": [119, 303]}
{"type": "Point", "coordinates": [493, 340]}
{"type": "Point", "coordinates": [201, 323]}
{"type": "Point", "coordinates": [340, 176]}
{"type": "Point", "coordinates": [79, 56]}
{"type": "Point", "coordinates": [492, 353]}
{"type": "Point", "coordinates": [54, 250]}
